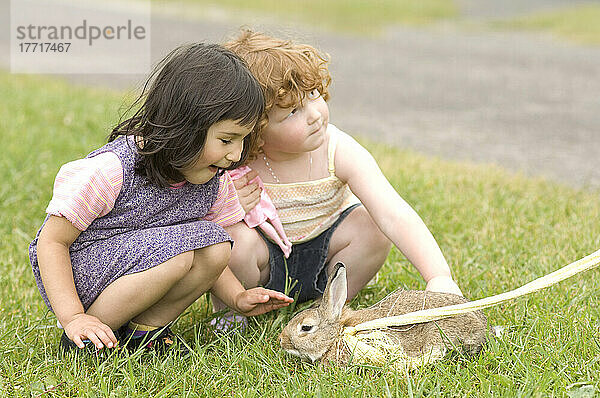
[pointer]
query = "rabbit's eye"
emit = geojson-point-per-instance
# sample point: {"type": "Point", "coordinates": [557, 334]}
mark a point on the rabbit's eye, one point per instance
{"type": "Point", "coordinates": [306, 328]}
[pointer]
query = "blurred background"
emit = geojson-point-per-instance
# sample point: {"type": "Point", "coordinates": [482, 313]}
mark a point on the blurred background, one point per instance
{"type": "Point", "coordinates": [514, 83]}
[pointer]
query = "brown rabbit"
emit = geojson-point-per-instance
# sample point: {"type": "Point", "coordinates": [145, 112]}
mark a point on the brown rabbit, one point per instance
{"type": "Point", "coordinates": [316, 333]}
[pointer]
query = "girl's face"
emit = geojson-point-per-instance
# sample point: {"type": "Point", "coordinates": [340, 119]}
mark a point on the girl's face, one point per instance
{"type": "Point", "coordinates": [297, 129]}
{"type": "Point", "coordinates": [224, 144]}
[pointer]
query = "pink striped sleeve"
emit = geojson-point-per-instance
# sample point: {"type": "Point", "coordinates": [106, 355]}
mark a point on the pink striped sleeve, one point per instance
{"type": "Point", "coordinates": [86, 189]}
{"type": "Point", "coordinates": [226, 210]}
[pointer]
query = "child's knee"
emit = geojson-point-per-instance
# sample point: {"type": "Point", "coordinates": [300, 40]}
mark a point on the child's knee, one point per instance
{"type": "Point", "coordinates": [371, 235]}
{"type": "Point", "coordinates": [380, 242]}
{"type": "Point", "coordinates": [181, 264]}
{"type": "Point", "coordinates": [249, 249]}
{"type": "Point", "coordinates": [242, 236]}
{"type": "Point", "coordinates": [213, 258]}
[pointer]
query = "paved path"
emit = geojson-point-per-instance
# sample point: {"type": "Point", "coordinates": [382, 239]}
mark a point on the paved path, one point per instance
{"type": "Point", "coordinates": [522, 101]}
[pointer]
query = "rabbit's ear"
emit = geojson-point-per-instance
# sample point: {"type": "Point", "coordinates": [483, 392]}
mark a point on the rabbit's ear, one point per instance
{"type": "Point", "coordinates": [335, 293]}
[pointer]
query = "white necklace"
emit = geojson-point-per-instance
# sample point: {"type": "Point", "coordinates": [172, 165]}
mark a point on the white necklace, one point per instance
{"type": "Point", "coordinates": [275, 178]}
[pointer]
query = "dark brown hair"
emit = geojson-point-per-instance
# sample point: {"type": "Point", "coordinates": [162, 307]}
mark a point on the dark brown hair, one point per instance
{"type": "Point", "coordinates": [192, 88]}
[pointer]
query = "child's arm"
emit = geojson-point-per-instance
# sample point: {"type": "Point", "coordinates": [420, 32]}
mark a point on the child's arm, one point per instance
{"type": "Point", "coordinates": [396, 218]}
{"type": "Point", "coordinates": [249, 302]}
{"type": "Point", "coordinates": [54, 241]}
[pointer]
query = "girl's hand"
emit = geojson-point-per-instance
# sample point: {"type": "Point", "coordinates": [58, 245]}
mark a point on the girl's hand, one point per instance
{"type": "Point", "coordinates": [248, 193]}
{"type": "Point", "coordinates": [259, 301]}
{"type": "Point", "coordinates": [84, 326]}
{"type": "Point", "coordinates": [444, 284]}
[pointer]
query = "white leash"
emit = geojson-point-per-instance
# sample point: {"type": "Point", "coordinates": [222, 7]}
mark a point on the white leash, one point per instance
{"type": "Point", "coordinates": [432, 314]}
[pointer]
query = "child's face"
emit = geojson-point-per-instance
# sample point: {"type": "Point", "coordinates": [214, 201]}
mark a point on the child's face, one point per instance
{"type": "Point", "coordinates": [297, 129]}
{"type": "Point", "coordinates": [224, 144]}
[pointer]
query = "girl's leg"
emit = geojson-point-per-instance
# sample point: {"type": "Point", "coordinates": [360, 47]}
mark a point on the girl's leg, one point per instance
{"type": "Point", "coordinates": [361, 246]}
{"type": "Point", "coordinates": [249, 260]}
{"type": "Point", "coordinates": [159, 295]}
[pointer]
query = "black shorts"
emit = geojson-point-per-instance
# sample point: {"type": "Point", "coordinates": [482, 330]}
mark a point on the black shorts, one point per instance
{"type": "Point", "coordinates": [304, 273]}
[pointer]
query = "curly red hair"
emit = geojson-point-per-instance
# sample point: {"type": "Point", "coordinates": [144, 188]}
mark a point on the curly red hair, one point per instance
{"type": "Point", "coordinates": [285, 70]}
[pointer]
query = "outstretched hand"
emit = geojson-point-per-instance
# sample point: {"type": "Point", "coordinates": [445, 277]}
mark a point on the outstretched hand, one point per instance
{"type": "Point", "coordinates": [87, 327]}
{"type": "Point", "coordinates": [259, 300]}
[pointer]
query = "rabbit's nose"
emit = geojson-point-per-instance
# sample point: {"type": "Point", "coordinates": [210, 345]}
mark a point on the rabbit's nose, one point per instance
{"type": "Point", "coordinates": [283, 339]}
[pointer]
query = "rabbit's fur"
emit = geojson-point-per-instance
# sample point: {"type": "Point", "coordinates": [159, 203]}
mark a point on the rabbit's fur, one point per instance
{"type": "Point", "coordinates": [316, 333]}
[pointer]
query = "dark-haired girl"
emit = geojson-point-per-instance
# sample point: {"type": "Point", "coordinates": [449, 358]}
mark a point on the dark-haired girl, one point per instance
{"type": "Point", "coordinates": [134, 232]}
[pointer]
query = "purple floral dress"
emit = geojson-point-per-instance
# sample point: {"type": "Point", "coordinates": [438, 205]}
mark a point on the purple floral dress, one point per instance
{"type": "Point", "coordinates": [147, 226]}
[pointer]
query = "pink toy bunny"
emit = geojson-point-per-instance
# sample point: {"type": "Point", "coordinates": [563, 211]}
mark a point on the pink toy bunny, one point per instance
{"type": "Point", "coordinates": [264, 215]}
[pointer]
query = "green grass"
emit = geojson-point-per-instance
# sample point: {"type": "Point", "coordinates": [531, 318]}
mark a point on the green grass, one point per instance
{"type": "Point", "coordinates": [361, 16]}
{"type": "Point", "coordinates": [498, 231]}
{"type": "Point", "coordinates": [580, 23]}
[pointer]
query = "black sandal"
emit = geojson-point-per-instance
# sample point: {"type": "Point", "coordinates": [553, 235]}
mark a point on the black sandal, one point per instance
{"type": "Point", "coordinates": [159, 340]}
